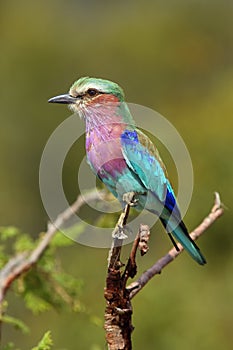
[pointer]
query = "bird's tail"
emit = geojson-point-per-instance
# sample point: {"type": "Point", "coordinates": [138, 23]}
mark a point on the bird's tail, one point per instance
{"type": "Point", "coordinates": [180, 233]}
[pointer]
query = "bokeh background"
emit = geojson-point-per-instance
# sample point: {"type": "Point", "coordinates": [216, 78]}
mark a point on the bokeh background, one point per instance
{"type": "Point", "coordinates": [175, 57]}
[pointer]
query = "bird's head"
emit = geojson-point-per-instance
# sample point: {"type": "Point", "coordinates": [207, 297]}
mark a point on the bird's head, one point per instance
{"type": "Point", "coordinates": [97, 101]}
{"type": "Point", "coordinates": [90, 92]}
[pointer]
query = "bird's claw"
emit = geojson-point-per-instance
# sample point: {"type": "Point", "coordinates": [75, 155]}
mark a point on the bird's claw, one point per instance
{"type": "Point", "coordinates": [129, 198]}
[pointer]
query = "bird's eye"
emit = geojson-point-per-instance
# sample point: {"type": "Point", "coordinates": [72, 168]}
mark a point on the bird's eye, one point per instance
{"type": "Point", "coordinates": [92, 92]}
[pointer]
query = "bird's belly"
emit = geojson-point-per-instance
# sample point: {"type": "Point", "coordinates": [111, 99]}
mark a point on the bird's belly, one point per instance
{"type": "Point", "coordinates": [112, 169]}
{"type": "Point", "coordinates": [119, 179]}
{"type": "Point", "coordinates": [106, 158]}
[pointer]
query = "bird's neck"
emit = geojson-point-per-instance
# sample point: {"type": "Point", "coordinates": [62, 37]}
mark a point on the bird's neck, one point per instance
{"type": "Point", "coordinates": [107, 112]}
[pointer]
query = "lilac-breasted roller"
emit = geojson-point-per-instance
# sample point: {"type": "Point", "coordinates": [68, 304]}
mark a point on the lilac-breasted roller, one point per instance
{"type": "Point", "coordinates": [123, 157]}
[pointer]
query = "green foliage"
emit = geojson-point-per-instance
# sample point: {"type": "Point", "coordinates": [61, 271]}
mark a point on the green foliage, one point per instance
{"type": "Point", "coordinates": [18, 324]}
{"type": "Point", "coordinates": [13, 241]}
{"type": "Point", "coordinates": [45, 343]}
{"type": "Point", "coordinates": [5, 247]}
{"type": "Point", "coordinates": [45, 285]}
{"type": "Point", "coordinates": [8, 232]}
{"type": "Point", "coordinates": [23, 243]}
{"type": "Point", "coordinates": [35, 303]}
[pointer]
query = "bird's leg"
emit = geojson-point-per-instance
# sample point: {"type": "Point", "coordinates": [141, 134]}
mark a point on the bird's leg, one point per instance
{"type": "Point", "coordinates": [129, 198]}
{"type": "Point", "coordinates": [119, 229]}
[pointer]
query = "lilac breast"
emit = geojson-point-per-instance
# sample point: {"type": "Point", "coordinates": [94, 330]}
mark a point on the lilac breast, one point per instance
{"type": "Point", "coordinates": [103, 146]}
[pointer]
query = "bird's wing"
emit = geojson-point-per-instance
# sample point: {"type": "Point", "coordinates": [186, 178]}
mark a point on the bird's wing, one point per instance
{"type": "Point", "coordinates": [143, 158]}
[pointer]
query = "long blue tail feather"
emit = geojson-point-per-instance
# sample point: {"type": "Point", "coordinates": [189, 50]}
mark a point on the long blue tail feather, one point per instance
{"type": "Point", "coordinates": [180, 233]}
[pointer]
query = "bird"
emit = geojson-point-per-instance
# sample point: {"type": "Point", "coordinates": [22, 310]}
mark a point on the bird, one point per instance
{"type": "Point", "coordinates": [124, 158]}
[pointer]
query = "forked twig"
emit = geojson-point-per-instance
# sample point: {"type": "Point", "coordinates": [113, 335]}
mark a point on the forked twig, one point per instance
{"type": "Point", "coordinates": [216, 211]}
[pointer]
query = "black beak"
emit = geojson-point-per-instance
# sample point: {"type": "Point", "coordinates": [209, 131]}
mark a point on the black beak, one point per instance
{"type": "Point", "coordinates": [66, 99]}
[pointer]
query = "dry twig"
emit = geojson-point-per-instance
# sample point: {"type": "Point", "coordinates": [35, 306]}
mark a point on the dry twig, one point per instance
{"type": "Point", "coordinates": [156, 269]}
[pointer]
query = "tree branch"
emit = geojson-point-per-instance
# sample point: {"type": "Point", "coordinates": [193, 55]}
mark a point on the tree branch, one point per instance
{"type": "Point", "coordinates": [118, 313]}
{"type": "Point", "coordinates": [118, 308]}
{"type": "Point", "coordinates": [21, 263]}
{"type": "Point", "coordinates": [156, 269]}
{"type": "Point", "coordinates": [140, 242]}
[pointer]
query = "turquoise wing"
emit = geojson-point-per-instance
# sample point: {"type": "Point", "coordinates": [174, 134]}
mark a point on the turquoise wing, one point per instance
{"type": "Point", "coordinates": [142, 157]}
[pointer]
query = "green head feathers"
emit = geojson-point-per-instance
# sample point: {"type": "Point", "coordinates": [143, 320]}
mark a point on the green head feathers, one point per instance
{"type": "Point", "coordinates": [85, 92]}
{"type": "Point", "coordinates": [104, 86]}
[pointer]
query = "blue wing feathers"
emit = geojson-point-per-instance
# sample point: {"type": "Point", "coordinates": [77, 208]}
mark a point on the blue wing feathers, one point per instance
{"type": "Point", "coordinates": [144, 164]}
{"type": "Point", "coordinates": [145, 161]}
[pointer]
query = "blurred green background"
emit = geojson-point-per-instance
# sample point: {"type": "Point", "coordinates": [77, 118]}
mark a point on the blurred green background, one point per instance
{"type": "Point", "coordinates": [175, 57]}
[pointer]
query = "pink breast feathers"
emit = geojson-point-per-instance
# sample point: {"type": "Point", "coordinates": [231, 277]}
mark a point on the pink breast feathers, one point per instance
{"type": "Point", "coordinates": [103, 146]}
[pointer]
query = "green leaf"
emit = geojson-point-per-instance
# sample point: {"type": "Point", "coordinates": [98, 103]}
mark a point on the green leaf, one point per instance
{"type": "Point", "coordinates": [24, 242]}
{"type": "Point", "coordinates": [45, 343]}
{"type": "Point", "coordinates": [18, 324]}
{"type": "Point", "coordinates": [3, 258]}
{"type": "Point", "coordinates": [35, 303]}
{"type": "Point", "coordinates": [8, 232]}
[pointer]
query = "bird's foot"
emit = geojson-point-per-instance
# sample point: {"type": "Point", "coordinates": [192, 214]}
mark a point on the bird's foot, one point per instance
{"type": "Point", "coordinates": [129, 198]}
{"type": "Point", "coordinates": [119, 233]}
